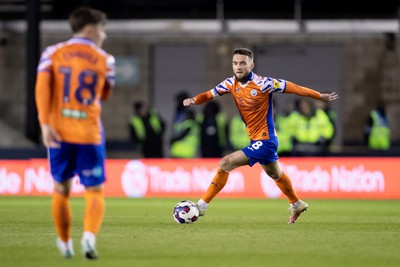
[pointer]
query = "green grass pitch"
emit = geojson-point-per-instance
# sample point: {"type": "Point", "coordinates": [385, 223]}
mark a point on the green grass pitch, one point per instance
{"type": "Point", "coordinates": [234, 232]}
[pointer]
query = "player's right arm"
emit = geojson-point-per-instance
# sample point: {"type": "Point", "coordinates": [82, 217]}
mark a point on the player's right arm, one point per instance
{"type": "Point", "coordinates": [43, 101]}
{"type": "Point", "coordinates": [216, 92]}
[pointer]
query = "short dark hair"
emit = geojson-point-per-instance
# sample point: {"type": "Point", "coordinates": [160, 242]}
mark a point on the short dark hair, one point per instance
{"type": "Point", "coordinates": [244, 51]}
{"type": "Point", "coordinates": [83, 16]}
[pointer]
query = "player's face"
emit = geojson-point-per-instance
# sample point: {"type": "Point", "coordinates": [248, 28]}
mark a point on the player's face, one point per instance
{"type": "Point", "coordinates": [242, 65]}
{"type": "Point", "coordinates": [99, 34]}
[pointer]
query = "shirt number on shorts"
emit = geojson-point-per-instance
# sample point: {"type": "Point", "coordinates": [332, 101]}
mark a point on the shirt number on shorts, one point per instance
{"type": "Point", "coordinates": [257, 145]}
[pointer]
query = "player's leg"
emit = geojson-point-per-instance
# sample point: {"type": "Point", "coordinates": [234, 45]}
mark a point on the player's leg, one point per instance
{"type": "Point", "coordinates": [227, 163]}
{"type": "Point", "coordinates": [91, 172]}
{"type": "Point", "coordinates": [93, 219]}
{"type": "Point", "coordinates": [62, 217]}
{"type": "Point", "coordinates": [61, 167]}
{"type": "Point", "coordinates": [284, 183]}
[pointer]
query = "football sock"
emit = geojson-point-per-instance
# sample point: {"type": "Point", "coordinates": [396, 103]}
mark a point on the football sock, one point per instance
{"type": "Point", "coordinates": [62, 215]}
{"type": "Point", "coordinates": [286, 187]}
{"type": "Point", "coordinates": [94, 211]}
{"type": "Point", "coordinates": [219, 181]}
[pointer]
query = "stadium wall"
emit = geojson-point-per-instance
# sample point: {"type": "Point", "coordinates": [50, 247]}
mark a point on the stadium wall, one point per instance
{"type": "Point", "coordinates": [322, 178]}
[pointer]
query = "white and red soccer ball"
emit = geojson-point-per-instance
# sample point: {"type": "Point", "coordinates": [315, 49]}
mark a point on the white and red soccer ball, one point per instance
{"type": "Point", "coordinates": [186, 212]}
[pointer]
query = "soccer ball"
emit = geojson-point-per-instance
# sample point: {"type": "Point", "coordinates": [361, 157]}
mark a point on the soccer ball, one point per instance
{"type": "Point", "coordinates": [186, 212]}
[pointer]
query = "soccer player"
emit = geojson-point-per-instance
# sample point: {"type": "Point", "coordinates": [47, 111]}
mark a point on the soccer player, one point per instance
{"type": "Point", "coordinates": [73, 78]}
{"type": "Point", "coordinates": [253, 97]}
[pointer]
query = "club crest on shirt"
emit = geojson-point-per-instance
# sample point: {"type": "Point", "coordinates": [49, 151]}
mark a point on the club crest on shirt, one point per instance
{"type": "Point", "coordinates": [253, 92]}
{"type": "Point", "coordinates": [277, 84]}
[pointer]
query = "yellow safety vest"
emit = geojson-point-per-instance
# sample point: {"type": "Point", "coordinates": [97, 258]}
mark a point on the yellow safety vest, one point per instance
{"type": "Point", "coordinates": [379, 137]}
{"type": "Point", "coordinates": [238, 136]}
{"type": "Point", "coordinates": [283, 131]}
{"type": "Point", "coordinates": [186, 147]}
{"type": "Point", "coordinates": [221, 123]}
{"type": "Point", "coordinates": [138, 125]}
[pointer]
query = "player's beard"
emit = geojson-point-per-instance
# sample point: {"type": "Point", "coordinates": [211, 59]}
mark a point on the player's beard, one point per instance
{"type": "Point", "coordinates": [244, 79]}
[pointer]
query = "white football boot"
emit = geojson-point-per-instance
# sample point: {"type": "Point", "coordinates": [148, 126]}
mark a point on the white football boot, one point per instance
{"type": "Point", "coordinates": [296, 209]}
{"type": "Point", "coordinates": [66, 248]}
{"type": "Point", "coordinates": [88, 244]}
{"type": "Point", "coordinates": [202, 206]}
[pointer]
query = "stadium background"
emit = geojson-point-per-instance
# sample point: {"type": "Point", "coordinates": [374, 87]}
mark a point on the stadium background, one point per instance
{"type": "Point", "coordinates": [168, 45]}
{"type": "Point", "coordinates": [292, 39]}
{"type": "Point", "coordinates": [164, 47]}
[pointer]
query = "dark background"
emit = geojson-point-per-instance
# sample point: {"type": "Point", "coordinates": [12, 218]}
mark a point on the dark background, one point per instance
{"type": "Point", "coordinates": [206, 9]}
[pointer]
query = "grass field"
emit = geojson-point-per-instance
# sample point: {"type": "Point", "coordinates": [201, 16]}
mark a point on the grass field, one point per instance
{"type": "Point", "coordinates": [142, 232]}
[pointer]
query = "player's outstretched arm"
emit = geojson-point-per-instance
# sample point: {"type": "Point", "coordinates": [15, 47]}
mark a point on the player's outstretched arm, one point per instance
{"type": "Point", "coordinates": [198, 99]}
{"type": "Point", "coordinates": [188, 102]}
{"type": "Point", "coordinates": [329, 97]}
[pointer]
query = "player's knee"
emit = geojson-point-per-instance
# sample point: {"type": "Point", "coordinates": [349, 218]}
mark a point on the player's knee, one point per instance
{"type": "Point", "coordinates": [273, 174]}
{"type": "Point", "coordinates": [225, 164]}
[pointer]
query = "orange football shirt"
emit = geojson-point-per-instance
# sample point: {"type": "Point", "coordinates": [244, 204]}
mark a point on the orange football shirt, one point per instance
{"type": "Point", "coordinates": [254, 101]}
{"type": "Point", "coordinates": [71, 77]}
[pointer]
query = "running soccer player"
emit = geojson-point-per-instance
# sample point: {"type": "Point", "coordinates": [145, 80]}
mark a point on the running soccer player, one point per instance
{"type": "Point", "coordinates": [73, 77]}
{"type": "Point", "coordinates": [253, 97]}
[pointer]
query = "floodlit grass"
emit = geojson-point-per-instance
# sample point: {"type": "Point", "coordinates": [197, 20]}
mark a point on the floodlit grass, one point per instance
{"type": "Point", "coordinates": [142, 232]}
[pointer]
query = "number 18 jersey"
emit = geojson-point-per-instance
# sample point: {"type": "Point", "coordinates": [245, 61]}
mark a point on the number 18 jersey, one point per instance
{"type": "Point", "coordinates": [70, 82]}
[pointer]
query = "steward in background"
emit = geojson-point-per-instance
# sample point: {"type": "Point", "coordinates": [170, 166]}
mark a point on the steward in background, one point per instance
{"type": "Point", "coordinates": [376, 129]}
{"type": "Point", "coordinates": [185, 137]}
{"type": "Point", "coordinates": [147, 130]}
{"type": "Point", "coordinates": [213, 131]}
{"type": "Point", "coordinates": [238, 137]}
{"type": "Point", "coordinates": [313, 130]}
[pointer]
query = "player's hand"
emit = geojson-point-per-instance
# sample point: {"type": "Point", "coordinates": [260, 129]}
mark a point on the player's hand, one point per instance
{"type": "Point", "coordinates": [329, 97]}
{"type": "Point", "coordinates": [188, 102]}
{"type": "Point", "coordinates": [50, 136]}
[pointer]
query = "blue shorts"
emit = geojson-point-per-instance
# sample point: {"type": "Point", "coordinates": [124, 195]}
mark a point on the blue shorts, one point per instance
{"type": "Point", "coordinates": [87, 161]}
{"type": "Point", "coordinates": [262, 151]}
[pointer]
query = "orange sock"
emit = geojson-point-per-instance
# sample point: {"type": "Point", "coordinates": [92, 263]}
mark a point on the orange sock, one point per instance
{"type": "Point", "coordinates": [62, 215]}
{"type": "Point", "coordinates": [216, 185]}
{"type": "Point", "coordinates": [94, 211]}
{"type": "Point", "coordinates": [286, 187]}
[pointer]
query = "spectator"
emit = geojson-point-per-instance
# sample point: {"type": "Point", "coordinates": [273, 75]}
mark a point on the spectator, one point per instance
{"type": "Point", "coordinates": [312, 131]}
{"type": "Point", "coordinates": [376, 129]}
{"type": "Point", "coordinates": [185, 139]}
{"type": "Point", "coordinates": [213, 131]}
{"type": "Point", "coordinates": [146, 130]}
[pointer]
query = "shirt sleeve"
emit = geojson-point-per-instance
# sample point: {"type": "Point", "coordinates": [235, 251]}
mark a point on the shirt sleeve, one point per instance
{"type": "Point", "coordinates": [292, 88]}
{"type": "Point", "coordinates": [43, 86]}
{"type": "Point", "coordinates": [110, 71]}
{"type": "Point", "coordinates": [224, 87]}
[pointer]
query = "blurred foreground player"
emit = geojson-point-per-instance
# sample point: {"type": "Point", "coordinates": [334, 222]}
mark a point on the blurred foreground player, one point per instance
{"type": "Point", "coordinates": [73, 78]}
{"type": "Point", "coordinates": [253, 97]}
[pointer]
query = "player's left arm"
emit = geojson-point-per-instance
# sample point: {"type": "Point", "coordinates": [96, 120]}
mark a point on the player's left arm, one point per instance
{"type": "Point", "coordinates": [110, 78]}
{"type": "Point", "coordinates": [107, 91]}
{"type": "Point", "coordinates": [292, 88]}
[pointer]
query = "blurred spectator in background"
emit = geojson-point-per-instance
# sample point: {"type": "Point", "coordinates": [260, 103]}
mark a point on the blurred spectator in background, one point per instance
{"type": "Point", "coordinates": [376, 129]}
{"type": "Point", "coordinates": [147, 130]}
{"type": "Point", "coordinates": [285, 129]}
{"type": "Point", "coordinates": [213, 131]}
{"type": "Point", "coordinates": [312, 131]}
{"type": "Point", "coordinates": [180, 112]}
{"type": "Point", "coordinates": [238, 136]}
{"type": "Point", "coordinates": [324, 109]}
{"type": "Point", "coordinates": [185, 137]}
